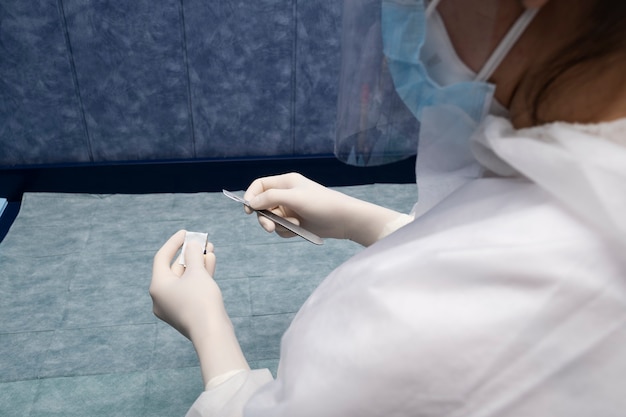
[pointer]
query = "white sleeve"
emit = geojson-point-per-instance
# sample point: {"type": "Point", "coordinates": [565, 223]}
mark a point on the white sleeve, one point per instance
{"type": "Point", "coordinates": [397, 223]}
{"type": "Point", "coordinates": [506, 305]}
{"type": "Point", "coordinates": [229, 398]}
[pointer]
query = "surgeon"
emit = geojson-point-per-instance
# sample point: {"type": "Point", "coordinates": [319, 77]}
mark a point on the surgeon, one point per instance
{"type": "Point", "coordinates": [503, 293]}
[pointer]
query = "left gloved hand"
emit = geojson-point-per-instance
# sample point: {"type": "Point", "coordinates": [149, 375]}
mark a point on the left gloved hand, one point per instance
{"type": "Point", "coordinates": [188, 299]}
{"type": "Point", "coordinates": [185, 297]}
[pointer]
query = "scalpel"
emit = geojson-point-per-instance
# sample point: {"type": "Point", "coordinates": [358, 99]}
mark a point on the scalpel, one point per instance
{"type": "Point", "coordinates": [311, 237]}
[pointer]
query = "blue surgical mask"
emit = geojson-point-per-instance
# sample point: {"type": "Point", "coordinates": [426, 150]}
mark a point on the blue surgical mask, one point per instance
{"type": "Point", "coordinates": [402, 82]}
{"type": "Point", "coordinates": [448, 99]}
{"type": "Point", "coordinates": [424, 66]}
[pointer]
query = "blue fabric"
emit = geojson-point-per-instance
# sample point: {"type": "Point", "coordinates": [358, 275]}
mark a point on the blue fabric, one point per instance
{"type": "Point", "coordinates": [40, 115]}
{"type": "Point", "coordinates": [404, 32]}
{"type": "Point", "coordinates": [110, 80]}
{"type": "Point", "coordinates": [317, 76]}
{"type": "Point", "coordinates": [132, 78]}
{"type": "Point", "coordinates": [77, 333]}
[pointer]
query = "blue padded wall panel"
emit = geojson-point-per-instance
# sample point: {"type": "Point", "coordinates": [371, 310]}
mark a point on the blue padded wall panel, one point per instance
{"type": "Point", "coordinates": [40, 119]}
{"type": "Point", "coordinates": [130, 66]}
{"type": "Point", "coordinates": [240, 63]}
{"type": "Point", "coordinates": [116, 80]}
{"type": "Point", "coordinates": [318, 60]}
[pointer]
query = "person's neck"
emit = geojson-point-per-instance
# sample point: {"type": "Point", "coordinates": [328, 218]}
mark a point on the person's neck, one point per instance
{"type": "Point", "coordinates": [476, 27]}
{"type": "Point", "coordinates": [594, 91]}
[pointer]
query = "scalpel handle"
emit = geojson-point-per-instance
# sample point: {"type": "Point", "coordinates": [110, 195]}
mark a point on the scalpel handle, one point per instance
{"type": "Point", "coordinates": [305, 234]}
{"type": "Point", "coordinates": [311, 237]}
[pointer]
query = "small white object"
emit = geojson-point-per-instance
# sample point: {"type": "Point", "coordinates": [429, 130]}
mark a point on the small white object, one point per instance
{"type": "Point", "coordinates": [199, 237]}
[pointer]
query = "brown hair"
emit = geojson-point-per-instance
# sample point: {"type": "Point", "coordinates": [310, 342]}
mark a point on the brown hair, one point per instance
{"type": "Point", "coordinates": [603, 37]}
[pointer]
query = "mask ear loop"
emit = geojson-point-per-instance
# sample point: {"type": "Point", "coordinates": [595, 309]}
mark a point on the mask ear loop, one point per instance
{"type": "Point", "coordinates": [506, 44]}
{"type": "Point", "coordinates": [431, 7]}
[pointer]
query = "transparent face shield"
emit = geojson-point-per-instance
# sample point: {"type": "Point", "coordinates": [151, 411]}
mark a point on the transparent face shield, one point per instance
{"type": "Point", "coordinates": [374, 126]}
{"type": "Point", "coordinates": [405, 81]}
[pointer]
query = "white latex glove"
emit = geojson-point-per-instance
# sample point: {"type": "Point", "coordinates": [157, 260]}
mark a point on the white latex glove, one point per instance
{"type": "Point", "coordinates": [189, 299]}
{"type": "Point", "coordinates": [325, 212]}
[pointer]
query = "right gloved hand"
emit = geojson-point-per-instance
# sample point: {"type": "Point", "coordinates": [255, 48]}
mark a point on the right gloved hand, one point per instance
{"type": "Point", "coordinates": [325, 212]}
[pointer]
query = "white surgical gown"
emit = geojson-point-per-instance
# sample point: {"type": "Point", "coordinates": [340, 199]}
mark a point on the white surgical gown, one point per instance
{"type": "Point", "coordinates": [506, 298]}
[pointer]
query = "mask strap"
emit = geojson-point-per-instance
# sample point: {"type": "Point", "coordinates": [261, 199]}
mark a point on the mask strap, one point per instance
{"type": "Point", "coordinates": [432, 5]}
{"type": "Point", "coordinates": [506, 44]}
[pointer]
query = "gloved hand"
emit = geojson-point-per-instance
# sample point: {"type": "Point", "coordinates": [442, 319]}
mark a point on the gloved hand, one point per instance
{"type": "Point", "coordinates": [189, 299]}
{"type": "Point", "coordinates": [325, 212]}
{"type": "Point", "coordinates": [184, 297]}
